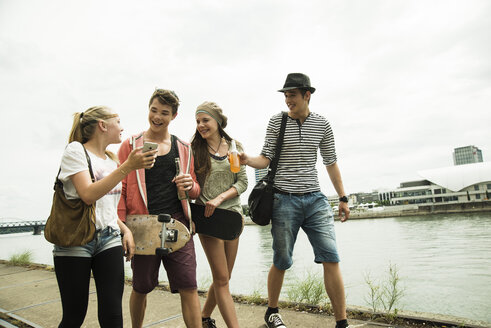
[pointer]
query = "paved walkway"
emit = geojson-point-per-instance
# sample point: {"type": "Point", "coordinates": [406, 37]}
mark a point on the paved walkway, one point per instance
{"type": "Point", "coordinates": [31, 295]}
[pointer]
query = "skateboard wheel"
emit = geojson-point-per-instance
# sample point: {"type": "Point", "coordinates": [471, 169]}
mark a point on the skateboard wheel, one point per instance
{"type": "Point", "coordinates": [162, 251]}
{"type": "Point", "coordinates": [164, 218]}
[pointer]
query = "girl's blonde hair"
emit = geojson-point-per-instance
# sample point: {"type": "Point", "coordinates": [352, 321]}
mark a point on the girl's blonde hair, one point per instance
{"type": "Point", "coordinates": [85, 123]}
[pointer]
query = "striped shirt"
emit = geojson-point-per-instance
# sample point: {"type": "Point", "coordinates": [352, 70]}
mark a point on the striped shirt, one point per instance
{"type": "Point", "coordinates": [296, 171]}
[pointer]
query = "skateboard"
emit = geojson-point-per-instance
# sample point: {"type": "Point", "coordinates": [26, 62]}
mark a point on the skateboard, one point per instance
{"type": "Point", "coordinates": [223, 224]}
{"type": "Point", "coordinates": [148, 231]}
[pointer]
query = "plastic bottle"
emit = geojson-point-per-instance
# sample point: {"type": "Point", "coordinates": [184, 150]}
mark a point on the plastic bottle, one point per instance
{"type": "Point", "coordinates": [234, 158]}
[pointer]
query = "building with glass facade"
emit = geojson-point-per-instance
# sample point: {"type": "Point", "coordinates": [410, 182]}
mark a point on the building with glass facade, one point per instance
{"type": "Point", "coordinates": [467, 155]}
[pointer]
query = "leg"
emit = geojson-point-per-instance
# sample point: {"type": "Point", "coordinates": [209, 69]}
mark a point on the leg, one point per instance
{"type": "Point", "coordinates": [73, 276]}
{"type": "Point", "coordinates": [287, 219]}
{"type": "Point", "coordinates": [138, 305]}
{"type": "Point", "coordinates": [145, 278]}
{"type": "Point", "coordinates": [333, 281]}
{"type": "Point", "coordinates": [275, 282]}
{"type": "Point", "coordinates": [221, 257]}
{"type": "Point", "coordinates": [181, 272]}
{"type": "Point", "coordinates": [319, 227]}
{"type": "Point", "coordinates": [108, 269]}
{"type": "Point", "coordinates": [190, 307]}
{"type": "Point", "coordinates": [210, 303]}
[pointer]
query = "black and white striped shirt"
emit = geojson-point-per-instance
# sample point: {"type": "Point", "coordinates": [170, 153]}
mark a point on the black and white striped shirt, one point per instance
{"type": "Point", "coordinates": [296, 171]}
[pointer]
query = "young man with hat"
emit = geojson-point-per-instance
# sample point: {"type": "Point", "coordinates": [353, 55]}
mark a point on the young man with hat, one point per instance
{"type": "Point", "coordinates": [298, 201]}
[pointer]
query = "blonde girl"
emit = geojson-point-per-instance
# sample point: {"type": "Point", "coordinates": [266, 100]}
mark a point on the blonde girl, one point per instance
{"type": "Point", "coordinates": [92, 131]}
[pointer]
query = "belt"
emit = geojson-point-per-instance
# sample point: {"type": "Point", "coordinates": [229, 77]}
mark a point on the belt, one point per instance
{"type": "Point", "coordinates": [277, 191]}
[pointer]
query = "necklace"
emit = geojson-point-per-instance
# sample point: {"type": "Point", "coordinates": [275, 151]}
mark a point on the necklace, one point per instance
{"type": "Point", "coordinates": [216, 151]}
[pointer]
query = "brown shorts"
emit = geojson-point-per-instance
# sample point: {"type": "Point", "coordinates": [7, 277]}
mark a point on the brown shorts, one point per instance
{"type": "Point", "coordinates": [179, 265]}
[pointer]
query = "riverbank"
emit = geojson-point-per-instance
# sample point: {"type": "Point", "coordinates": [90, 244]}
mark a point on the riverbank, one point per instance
{"type": "Point", "coordinates": [29, 294]}
{"type": "Point", "coordinates": [414, 210]}
{"type": "Point", "coordinates": [422, 210]}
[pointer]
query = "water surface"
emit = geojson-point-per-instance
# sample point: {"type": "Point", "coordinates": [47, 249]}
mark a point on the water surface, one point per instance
{"type": "Point", "coordinates": [444, 260]}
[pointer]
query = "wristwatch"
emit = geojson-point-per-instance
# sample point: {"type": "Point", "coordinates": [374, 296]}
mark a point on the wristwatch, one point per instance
{"type": "Point", "coordinates": [343, 199]}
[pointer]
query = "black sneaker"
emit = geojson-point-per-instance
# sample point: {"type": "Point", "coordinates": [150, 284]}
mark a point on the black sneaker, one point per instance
{"type": "Point", "coordinates": [342, 324]}
{"type": "Point", "coordinates": [208, 323]}
{"type": "Point", "coordinates": [274, 321]}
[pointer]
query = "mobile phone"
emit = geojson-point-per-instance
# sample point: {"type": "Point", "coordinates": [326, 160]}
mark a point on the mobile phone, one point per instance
{"type": "Point", "coordinates": [149, 146]}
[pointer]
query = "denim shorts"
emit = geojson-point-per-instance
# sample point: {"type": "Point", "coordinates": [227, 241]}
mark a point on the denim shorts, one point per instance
{"type": "Point", "coordinates": [314, 215]}
{"type": "Point", "coordinates": [103, 240]}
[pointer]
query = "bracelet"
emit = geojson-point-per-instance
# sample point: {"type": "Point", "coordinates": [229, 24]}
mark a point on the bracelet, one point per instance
{"type": "Point", "coordinates": [123, 171]}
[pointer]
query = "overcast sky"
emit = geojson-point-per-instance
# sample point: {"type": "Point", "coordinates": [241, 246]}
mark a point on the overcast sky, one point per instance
{"type": "Point", "coordinates": [402, 82]}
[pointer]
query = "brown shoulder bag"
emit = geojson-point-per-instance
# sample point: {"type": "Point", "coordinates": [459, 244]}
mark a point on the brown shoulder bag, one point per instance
{"type": "Point", "coordinates": [71, 221]}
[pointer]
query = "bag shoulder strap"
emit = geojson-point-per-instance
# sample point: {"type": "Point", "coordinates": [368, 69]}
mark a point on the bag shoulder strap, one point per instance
{"type": "Point", "coordinates": [90, 164]}
{"type": "Point", "coordinates": [58, 181]}
{"type": "Point", "coordinates": [279, 143]}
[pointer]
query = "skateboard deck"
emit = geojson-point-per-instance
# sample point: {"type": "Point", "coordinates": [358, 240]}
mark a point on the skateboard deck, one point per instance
{"type": "Point", "coordinates": [148, 229]}
{"type": "Point", "coordinates": [223, 224]}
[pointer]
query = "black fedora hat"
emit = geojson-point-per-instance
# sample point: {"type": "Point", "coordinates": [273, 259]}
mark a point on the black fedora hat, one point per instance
{"type": "Point", "coordinates": [297, 81]}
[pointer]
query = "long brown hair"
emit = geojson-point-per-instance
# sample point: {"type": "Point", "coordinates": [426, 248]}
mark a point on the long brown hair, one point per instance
{"type": "Point", "coordinates": [84, 125]}
{"type": "Point", "coordinates": [202, 162]}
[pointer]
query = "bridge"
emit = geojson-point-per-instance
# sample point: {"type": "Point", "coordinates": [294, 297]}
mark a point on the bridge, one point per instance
{"type": "Point", "coordinates": [38, 226]}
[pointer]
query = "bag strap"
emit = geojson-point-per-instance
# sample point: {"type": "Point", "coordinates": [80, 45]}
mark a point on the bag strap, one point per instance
{"type": "Point", "coordinates": [58, 181]}
{"type": "Point", "coordinates": [90, 164]}
{"type": "Point", "coordinates": [279, 143]}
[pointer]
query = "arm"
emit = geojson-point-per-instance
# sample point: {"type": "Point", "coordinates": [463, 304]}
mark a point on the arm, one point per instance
{"type": "Point", "coordinates": [90, 192]}
{"type": "Point", "coordinates": [337, 182]}
{"type": "Point", "coordinates": [128, 242]}
{"type": "Point", "coordinates": [258, 162]}
{"type": "Point", "coordinates": [215, 202]}
{"type": "Point", "coordinates": [237, 188]}
{"type": "Point", "coordinates": [186, 182]}
{"type": "Point", "coordinates": [123, 153]}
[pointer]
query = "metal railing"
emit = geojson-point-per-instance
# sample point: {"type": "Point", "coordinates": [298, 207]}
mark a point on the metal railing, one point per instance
{"type": "Point", "coordinates": [37, 226]}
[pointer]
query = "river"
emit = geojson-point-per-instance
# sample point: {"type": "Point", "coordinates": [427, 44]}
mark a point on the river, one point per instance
{"type": "Point", "coordinates": [444, 261]}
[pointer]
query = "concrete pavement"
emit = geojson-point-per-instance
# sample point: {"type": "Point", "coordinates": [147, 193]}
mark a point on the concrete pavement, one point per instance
{"type": "Point", "coordinates": [31, 295]}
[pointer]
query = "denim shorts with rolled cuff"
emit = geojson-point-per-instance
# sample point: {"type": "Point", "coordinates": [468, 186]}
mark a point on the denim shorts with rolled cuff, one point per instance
{"type": "Point", "coordinates": [103, 240]}
{"type": "Point", "coordinates": [179, 265]}
{"type": "Point", "coordinates": [314, 215]}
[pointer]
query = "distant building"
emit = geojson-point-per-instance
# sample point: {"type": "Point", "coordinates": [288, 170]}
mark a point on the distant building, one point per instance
{"type": "Point", "coordinates": [447, 185]}
{"type": "Point", "coordinates": [467, 155]}
{"type": "Point", "coordinates": [260, 173]}
{"type": "Point", "coordinates": [365, 197]}
{"type": "Point", "coordinates": [385, 195]}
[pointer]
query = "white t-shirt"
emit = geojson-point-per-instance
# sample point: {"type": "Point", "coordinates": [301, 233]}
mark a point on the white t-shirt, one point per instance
{"type": "Point", "coordinates": [75, 161]}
